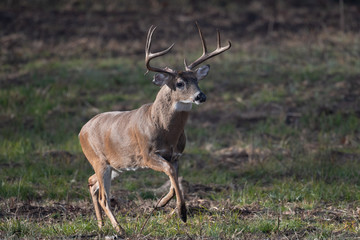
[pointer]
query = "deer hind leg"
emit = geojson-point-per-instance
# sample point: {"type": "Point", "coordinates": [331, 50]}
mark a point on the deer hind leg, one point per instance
{"type": "Point", "coordinates": [104, 180]}
{"type": "Point", "coordinates": [94, 191]}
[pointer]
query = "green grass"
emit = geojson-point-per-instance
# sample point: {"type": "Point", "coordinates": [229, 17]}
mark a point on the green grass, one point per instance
{"type": "Point", "coordinates": [299, 179]}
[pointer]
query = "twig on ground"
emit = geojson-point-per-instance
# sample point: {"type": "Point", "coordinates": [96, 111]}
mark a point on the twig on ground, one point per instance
{"type": "Point", "coordinates": [147, 219]}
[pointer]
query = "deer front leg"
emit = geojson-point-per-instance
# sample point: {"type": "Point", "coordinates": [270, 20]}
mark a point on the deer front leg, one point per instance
{"type": "Point", "coordinates": [174, 160]}
{"type": "Point", "coordinates": [158, 163]}
{"type": "Point", "coordinates": [171, 192]}
{"type": "Point", "coordinates": [165, 200]}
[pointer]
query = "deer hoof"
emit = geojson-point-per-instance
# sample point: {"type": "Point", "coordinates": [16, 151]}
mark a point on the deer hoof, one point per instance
{"type": "Point", "coordinates": [120, 232]}
{"type": "Point", "coordinates": [182, 213]}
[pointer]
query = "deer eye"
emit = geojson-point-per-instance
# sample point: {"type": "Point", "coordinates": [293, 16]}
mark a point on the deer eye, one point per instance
{"type": "Point", "coordinates": [179, 84]}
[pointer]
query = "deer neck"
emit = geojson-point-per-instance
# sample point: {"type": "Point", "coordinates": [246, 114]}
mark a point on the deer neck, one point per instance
{"type": "Point", "coordinates": [165, 113]}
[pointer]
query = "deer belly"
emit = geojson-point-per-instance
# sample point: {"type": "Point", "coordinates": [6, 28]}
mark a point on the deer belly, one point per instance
{"type": "Point", "coordinates": [130, 163]}
{"type": "Point", "coordinates": [116, 172]}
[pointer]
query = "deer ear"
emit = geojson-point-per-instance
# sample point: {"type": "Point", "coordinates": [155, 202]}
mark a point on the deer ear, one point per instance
{"type": "Point", "coordinates": [162, 79]}
{"type": "Point", "coordinates": [202, 72]}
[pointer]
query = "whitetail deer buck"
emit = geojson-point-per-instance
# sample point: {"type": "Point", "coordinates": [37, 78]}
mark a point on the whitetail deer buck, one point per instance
{"type": "Point", "coordinates": [149, 137]}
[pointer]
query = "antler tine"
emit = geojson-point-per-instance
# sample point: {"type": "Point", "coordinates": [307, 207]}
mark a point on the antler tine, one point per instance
{"type": "Point", "coordinates": [148, 39]}
{"type": "Point", "coordinates": [205, 56]}
{"type": "Point", "coordinates": [203, 43]}
{"type": "Point", "coordinates": [186, 66]}
{"type": "Point", "coordinates": [149, 55]}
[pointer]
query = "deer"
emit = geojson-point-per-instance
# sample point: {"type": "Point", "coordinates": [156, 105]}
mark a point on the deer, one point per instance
{"type": "Point", "coordinates": [151, 136]}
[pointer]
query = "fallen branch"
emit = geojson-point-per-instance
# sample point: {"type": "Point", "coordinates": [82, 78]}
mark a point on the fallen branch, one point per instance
{"type": "Point", "coordinates": [147, 219]}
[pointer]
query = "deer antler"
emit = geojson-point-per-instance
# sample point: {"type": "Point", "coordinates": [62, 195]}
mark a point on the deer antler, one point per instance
{"type": "Point", "coordinates": [149, 55]}
{"type": "Point", "coordinates": [205, 56]}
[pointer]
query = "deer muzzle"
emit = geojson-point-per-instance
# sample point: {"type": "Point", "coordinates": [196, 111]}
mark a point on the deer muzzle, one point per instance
{"type": "Point", "coordinates": [200, 98]}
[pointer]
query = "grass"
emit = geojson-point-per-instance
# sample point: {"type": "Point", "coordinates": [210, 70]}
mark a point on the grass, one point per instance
{"type": "Point", "coordinates": [298, 179]}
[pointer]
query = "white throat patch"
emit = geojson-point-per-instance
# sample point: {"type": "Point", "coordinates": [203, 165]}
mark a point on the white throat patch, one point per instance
{"type": "Point", "coordinates": [183, 106]}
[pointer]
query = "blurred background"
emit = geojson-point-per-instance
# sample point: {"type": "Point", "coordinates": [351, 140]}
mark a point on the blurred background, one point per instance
{"type": "Point", "coordinates": [44, 29]}
{"type": "Point", "coordinates": [273, 153]}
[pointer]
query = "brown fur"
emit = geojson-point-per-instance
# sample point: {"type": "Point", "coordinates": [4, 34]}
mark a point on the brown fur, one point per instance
{"type": "Point", "coordinates": [151, 136]}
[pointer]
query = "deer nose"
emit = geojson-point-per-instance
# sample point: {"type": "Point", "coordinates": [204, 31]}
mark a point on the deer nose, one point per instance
{"type": "Point", "coordinates": [201, 97]}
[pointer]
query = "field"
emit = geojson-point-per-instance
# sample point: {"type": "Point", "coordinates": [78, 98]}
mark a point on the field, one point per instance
{"type": "Point", "coordinates": [274, 153]}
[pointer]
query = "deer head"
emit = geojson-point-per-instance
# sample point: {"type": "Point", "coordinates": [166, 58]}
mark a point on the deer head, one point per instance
{"type": "Point", "coordinates": [184, 84]}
